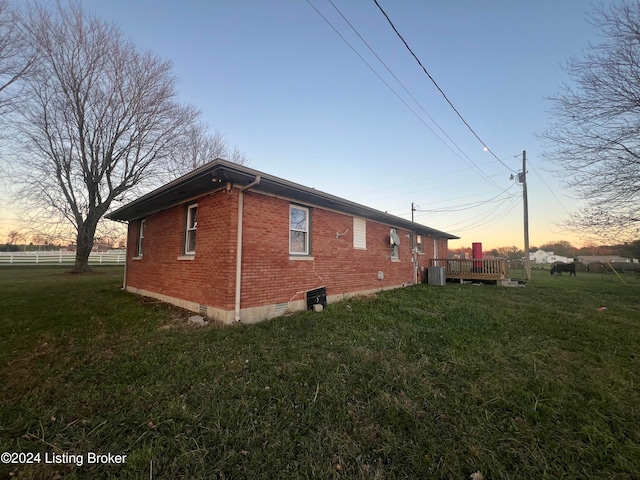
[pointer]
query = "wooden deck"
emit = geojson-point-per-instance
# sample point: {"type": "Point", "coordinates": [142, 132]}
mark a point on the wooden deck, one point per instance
{"type": "Point", "coordinates": [485, 269]}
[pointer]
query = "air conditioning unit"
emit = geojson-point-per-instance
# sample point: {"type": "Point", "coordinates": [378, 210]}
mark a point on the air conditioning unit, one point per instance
{"type": "Point", "coordinates": [436, 276]}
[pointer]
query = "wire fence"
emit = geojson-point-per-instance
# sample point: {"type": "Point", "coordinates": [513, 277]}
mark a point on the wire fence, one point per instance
{"type": "Point", "coordinates": [60, 258]}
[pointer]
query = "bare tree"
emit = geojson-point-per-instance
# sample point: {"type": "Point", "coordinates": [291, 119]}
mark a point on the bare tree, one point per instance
{"type": "Point", "coordinates": [102, 119]}
{"type": "Point", "coordinates": [560, 247]}
{"type": "Point", "coordinates": [510, 252]}
{"type": "Point", "coordinates": [13, 237]}
{"type": "Point", "coordinates": [595, 134]}
{"type": "Point", "coordinates": [15, 59]}
{"type": "Point", "coordinates": [199, 147]}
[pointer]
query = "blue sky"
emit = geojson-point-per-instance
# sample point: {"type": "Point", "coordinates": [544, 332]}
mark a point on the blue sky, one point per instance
{"type": "Point", "coordinates": [287, 90]}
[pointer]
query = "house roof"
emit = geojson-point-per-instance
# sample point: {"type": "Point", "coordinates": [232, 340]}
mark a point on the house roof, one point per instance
{"type": "Point", "coordinates": [214, 175]}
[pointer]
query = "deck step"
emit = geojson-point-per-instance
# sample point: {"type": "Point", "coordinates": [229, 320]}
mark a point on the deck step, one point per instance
{"type": "Point", "coordinates": [507, 282]}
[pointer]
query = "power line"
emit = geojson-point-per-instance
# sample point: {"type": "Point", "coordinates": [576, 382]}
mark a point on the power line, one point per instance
{"type": "Point", "coordinates": [463, 221]}
{"type": "Point", "coordinates": [402, 84]}
{"type": "Point", "coordinates": [438, 87]}
{"type": "Point", "coordinates": [470, 165]}
{"type": "Point", "coordinates": [469, 206]}
{"type": "Point", "coordinates": [484, 221]}
{"type": "Point", "coordinates": [548, 187]}
{"type": "Point", "coordinates": [431, 189]}
{"type": "Point", "coordinates": [492, 216]}
{"type": "Point", "coordinates": [377, 191]}
{"type": "Point", "coordinates": [488, 223]}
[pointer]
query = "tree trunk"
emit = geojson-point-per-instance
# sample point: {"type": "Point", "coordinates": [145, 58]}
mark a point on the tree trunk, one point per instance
{"type": "Point", "coordinates": [84, 243]}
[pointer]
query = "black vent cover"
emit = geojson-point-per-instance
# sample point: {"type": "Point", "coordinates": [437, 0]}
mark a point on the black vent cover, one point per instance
{"type": "Point", "coordinates": [317, 295]}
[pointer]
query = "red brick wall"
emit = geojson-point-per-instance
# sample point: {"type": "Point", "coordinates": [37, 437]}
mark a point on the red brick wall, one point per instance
{"type": "Point", "coordinates": [268, 274]}
{"type": "Point", "coordinates": [206, 279]}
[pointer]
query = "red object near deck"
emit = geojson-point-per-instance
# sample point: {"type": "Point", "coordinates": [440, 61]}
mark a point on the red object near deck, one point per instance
{"type": "Point", "coordinates": [476, 254]}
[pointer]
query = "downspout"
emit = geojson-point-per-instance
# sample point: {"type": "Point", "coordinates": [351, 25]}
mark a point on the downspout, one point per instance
{"type": "Point", "coordinates": [239, 244]}
{"type": "Point", "coordinates": [126, 261]}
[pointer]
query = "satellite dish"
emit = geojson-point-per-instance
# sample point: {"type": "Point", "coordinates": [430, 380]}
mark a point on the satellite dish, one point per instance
{"type": "Point", "coordinates": [394, 239]}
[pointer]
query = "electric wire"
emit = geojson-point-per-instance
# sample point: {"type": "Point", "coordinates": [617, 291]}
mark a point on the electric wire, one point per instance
{"type": "Point", "coordinates": [465, 221]}
{"type": "Point", "coordinates": [480, 222]}
{"type": "Point", "coordinates": [377, 191]}
{"type": "Point", "coordinates": [486, 220]}
{"type": "Point", "coordinates": [468, 206]}
{"type": "Point", "coordinates": [453, 208]}
{"type": "Point", "coordinates": [484, 145]}
{"type": "Point", "coordinates": [490, 218]}
{"type": "Point", "coordinates": [548, 187]}
{"type": "Point", "coordinates": [470, 165]}
{"type": "Point", "coordinates": [402, 84]}
{"type": "Point", "coordinates": [486, 224]}
{"type": "Point", "coordinates": [430, 189]}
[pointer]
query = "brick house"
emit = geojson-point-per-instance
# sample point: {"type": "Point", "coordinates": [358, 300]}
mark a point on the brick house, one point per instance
{"type": "Point", "coordinates": [237, 244]}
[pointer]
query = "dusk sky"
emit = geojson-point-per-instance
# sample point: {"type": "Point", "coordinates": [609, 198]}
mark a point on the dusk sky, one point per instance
{"type": "Point", "coordinates": [283, 86]}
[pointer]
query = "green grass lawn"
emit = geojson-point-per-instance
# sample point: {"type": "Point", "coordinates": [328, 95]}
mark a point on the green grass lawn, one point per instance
{"type": "Point", "coordinates": [422, 382]}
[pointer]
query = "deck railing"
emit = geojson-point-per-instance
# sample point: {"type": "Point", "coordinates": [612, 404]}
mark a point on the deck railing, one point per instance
{"type": "Point", "coordinates": [481, 269]}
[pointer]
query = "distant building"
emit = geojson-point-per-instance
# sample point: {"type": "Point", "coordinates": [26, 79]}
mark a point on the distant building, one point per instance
{"type": "Point", "coordinates": [541, 256]}
{"type": "Point", "coordinates": [605, 259]}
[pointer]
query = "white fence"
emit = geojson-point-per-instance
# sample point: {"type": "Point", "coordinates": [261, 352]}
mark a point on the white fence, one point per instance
{"type": "Point", "coordinates": [60, 258]}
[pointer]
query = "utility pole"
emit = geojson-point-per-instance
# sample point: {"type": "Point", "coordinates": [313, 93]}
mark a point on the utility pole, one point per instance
{"type": "Point", "coordinates": [414, 253]}
{"type": "Point", "coordinates": [527, 265]}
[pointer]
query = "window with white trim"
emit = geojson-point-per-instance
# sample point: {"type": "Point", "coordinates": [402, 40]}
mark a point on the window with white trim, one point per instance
{"type": "Point", "coordinates": [140, 237]}
{"type": "Point", "coordinates": [359, 233]}
{"type": "Point", "coordinates": [190, 230]}
{"type": "Point", "coordinates": [395, 241]}
{"type": "Point", "coordinates": [298, 230]}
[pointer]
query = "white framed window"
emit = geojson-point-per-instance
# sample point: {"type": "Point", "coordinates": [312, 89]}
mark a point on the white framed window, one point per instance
{"type": "Point", "coordinates": [394, 240]}
{"type": "Point", "coordinates": [419, 244]}
{"type": "Point", "coordinates": [359, 233]}
{"type": "Point", "coordinates": [298, 230]}
{"type": "Point", "coordinates": [191, 229]}
{"type": "Point", "coordinates": [141, 237]}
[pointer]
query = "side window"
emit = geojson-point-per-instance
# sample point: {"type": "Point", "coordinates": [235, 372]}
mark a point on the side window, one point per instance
{"type": "Point", "coordinates": [141, 237]}
{"type": "Point", "coordinates": [299, 230]}
{"type": "Point", "coordinates": [419, 245]}
{"type": "Point", "coordinates": [190, 230]}
{"type": "Point", "coordinates": [394, 240]}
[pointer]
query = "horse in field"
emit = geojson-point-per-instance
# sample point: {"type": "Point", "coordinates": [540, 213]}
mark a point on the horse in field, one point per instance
{"type": "Point", "coordinates": [558, 268]}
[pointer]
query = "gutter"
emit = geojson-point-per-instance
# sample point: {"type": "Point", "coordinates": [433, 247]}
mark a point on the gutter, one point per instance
{"type": "Point", "coordinates": [255, 182]}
